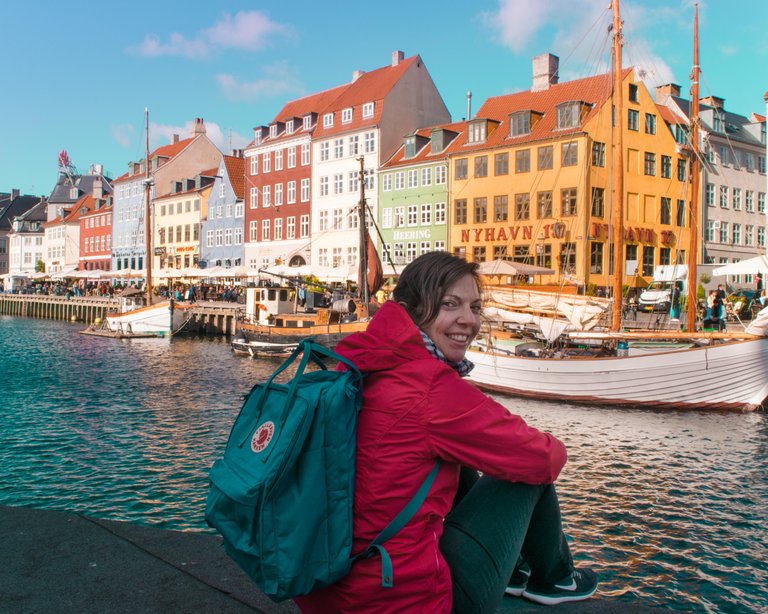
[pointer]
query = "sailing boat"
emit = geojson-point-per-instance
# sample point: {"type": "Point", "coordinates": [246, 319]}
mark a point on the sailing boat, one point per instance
{"type": "Point", "coordinates": [139, 313]}
{"type": "Point", "coordinates": [273, 317]}
{"type": "Point", "coordinates": [720, 371]}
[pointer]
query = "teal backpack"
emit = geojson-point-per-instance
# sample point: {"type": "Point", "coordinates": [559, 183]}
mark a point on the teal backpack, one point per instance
{"type": "Point", "coordinates": [282, 494]}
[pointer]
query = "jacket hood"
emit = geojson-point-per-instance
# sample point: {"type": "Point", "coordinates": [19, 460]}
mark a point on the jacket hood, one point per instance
{"type": "Point", "coordinates": [390, 340]}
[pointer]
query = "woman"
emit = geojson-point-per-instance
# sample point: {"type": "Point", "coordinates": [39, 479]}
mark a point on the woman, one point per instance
{"type": "Point", "coordinates": [458, 553]}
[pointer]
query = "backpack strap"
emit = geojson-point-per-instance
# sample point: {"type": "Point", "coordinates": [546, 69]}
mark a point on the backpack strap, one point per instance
{"type": "Point", "coordinates": [393, 527]}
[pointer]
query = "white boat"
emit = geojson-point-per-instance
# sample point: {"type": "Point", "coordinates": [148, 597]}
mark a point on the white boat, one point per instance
{"type": "Point", "coordinates": [137, 319]}
{"type": "Point", "coordinates": [262, 349]}
{"type": "Point", "coordinates": [684, 370]}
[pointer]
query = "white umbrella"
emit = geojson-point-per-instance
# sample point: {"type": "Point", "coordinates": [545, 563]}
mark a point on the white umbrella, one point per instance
{"type": "Point", "coordinates": [507, 267]}
{"type": "Point", "coordinates": [758, 264]}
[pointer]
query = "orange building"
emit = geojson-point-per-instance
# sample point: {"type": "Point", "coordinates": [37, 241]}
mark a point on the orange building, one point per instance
{"type": "Point", "coordinates": [530, 181]}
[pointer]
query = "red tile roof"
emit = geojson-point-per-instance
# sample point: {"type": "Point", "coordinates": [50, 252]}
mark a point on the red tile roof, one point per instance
{"type": "Point", "coordinates": [236, 171]}
{"type": "Point", "coordinates": [425, 153]}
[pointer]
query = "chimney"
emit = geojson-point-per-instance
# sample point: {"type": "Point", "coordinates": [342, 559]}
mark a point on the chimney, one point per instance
{"type": "Point", "coordinates": [357, 74]}
{"type": "Point", "coordinates": [665, 91]}
{"type": "Point", "coordinates": [175, 139]}
{"type": "Point", "coordinates": [397, 57]}
{"type": "Point", "coordinates": [14, 194]}
{"type": "Point", "coordinates": [469, 105]}
{"type": "Point", "coordinates": [545, 71]}
{"type": "Point", "coordinates": [713, 101]}
{"type": "Point", "coordinates": [98, 188]}
{"type": "Point", "coordinates": [199, 126]}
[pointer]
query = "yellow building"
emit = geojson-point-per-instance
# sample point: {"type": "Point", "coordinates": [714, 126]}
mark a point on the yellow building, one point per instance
{"type": "Point", "coordinates": [177, 221]}
{"type": "Point", "coordinates": [531, 181]}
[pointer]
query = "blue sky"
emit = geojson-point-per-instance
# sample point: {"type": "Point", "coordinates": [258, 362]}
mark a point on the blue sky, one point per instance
{"type": "Point", "coordinates": [77, 75]}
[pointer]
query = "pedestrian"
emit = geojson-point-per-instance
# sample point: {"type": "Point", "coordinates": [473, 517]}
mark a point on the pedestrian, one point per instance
{"type": "Point", "coordinates": [718, 311]}
{"type": "Point", "coordinates": [474, 538]}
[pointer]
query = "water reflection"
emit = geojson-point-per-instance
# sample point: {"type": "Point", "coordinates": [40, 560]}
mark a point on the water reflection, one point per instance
{"type": "Point", "coordinates": [670, 507]}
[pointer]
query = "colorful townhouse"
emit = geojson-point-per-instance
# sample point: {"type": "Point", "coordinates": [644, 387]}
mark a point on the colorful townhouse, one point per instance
{"type": "Point", "coordinates": [178, 220]}
{"type": "Point", "coordinates": [278, 172]}
{"type": "Point", "coordinates": [221, 235]}
{"type": "Point", "coordinates": [12, 204]}
{"type": "Point", "coordinates": [413, 196]}
{"type": "Point", "coordinates": [167, 165]}
{"type": "Point", "coordinates": [25, 244]}
{"type": "Point", "coordinates": [531, 181]}
{"type": "Point", "coordinates": [733, 177]}
{"type": "Point", "coordinates": [303, 170]}
{"type": "Point", "coordinates": [63, 240]}
{"type": "Point", "coordinates": [367, 121]}
{"type": "Point", "coordinates": [96, 236]}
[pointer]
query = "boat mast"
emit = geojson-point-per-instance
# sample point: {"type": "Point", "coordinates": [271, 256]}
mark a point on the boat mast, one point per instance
{"type": "Point", "coordinates": [618, 170]}
{"type": "Point", "coordinates": [693, 218]}
{"type": "Point", "coordinates": [147, 221]}
{"type": "Point", "coordinates": [363, 275]}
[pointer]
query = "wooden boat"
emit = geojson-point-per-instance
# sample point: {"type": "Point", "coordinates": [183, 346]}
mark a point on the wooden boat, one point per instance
{"type": "Point", "coordinates": [262, 349]}
{"type": "Point", "coordinates": [684, 370]}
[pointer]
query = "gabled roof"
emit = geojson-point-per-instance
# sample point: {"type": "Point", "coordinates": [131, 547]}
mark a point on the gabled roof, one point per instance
{"type": "Point", "coordinates": [38, 213]}
{"type": "Point", "coordinates": [73, 215]}
{"type": "Point", "coordinates": [373, 87]}
{"type": "Point", "coordinates": [425, 155]}
{"type": "Point", "coordinates": [236, 172]}
{"type": "Point", "coordinates": [83, 183]}
{"type": "Point", "coordinates": [164, 151]}
{"type": "Point", "coordinates": [14, 207]}
{"type": "Point", "coordinates": [734, 123]}
{"type": "Point", "coordinates": [592, 91]}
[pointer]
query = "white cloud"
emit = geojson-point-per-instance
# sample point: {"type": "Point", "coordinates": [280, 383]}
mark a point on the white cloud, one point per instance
{"type": "Point", "coordinates": [123, 134]}
{"type": "Point", "coordinates": [517, 22]}
{"type": "Point", "coordinates": [225, 140]}
{"type": "Point", "coordinates": [249, 30]}
{"type": "Point", "coordinates": [278, 80]}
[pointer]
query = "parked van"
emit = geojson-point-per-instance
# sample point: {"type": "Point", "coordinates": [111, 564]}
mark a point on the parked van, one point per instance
{"type": "Point", "coordinates": [668, 285]}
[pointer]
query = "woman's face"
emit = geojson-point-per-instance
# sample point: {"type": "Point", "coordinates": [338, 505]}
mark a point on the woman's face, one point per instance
{"type": "Point", "coordinates": [458, 321]}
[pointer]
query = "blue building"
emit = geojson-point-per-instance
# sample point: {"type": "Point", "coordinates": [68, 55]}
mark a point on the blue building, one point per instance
{"type": "Point", "coordinates": [222, 232]}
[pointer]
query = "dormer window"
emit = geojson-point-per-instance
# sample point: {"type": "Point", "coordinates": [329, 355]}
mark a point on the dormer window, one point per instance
{"type": "Point", "coordinates": [477, 132]}
{"type": "Point", "coordinates": [273, 131]}
{"type": "Point", "coordinates": [568, 115]}
{"type": "Point", "coordinates": [410, 146]}
{"type": "Point", "coordinates": [306, 122]}
{"type": "Point", "coordinates": [328, 120]}
{"type": "Point", "coordinates": [718, 124]}
{"type": "Point", "coordinates": [289, 126]}
{"type": "Point", "coordinates": [346, 116]}
{"type": "Point", "coordinates": [73, 192]}
{"type": "Point", "coordinates": [367, 110]}
{"type": "Point", "coordinates": [520, 123]}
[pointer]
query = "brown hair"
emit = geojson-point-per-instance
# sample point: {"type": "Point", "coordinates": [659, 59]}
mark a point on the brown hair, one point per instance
{"type": "Point", "coordinates": [424, 282]}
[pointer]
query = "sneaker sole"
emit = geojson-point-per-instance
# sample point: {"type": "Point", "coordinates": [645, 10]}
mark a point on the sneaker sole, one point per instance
{"type": "Point", "coordinates": [559, 598]}
{"type": "Point", "coordinates": [514, 592]}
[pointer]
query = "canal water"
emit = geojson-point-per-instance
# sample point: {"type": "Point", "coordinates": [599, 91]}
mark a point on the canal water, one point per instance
{"type": "Point", "coordinates": [669, 508]}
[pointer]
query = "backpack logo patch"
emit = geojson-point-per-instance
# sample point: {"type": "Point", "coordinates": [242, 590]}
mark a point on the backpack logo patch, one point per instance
{"type": "Point", "coordinates": [262, 436]}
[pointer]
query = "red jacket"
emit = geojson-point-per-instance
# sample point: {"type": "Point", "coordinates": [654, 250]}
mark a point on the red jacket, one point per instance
{"type": "Point", "coordinates": [417, 409]}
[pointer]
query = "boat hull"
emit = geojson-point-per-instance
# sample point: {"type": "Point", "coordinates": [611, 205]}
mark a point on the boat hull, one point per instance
{"type": "Point", "coordinates": [159, 320]}
{"type": "Point", "coordinates": [727, 376]}
{"type": "Point", "coordinates": [325, 334]}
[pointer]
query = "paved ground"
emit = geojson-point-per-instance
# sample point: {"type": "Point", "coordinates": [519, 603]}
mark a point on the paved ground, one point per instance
{"type": "Point", "coordinates": [68, 563]}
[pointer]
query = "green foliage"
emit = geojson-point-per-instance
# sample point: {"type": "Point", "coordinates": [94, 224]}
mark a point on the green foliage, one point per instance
{"type": "Point", "coordinates": [700, 293]}
{"type": "Point", "coordinates": [705, 278]}
{"type": "Point", "coordinates": [591, 290]}
{"type": "Point", "coordinates": [39, 266]}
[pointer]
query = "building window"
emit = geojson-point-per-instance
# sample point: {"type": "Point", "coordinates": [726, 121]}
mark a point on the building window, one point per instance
{"type": "Point", "coordinates": [568, 201]}
{"type": "Point", "coordinates": [305, 154]}
{"type": "Point", "coordinates": [426, 176]}
{"type": "Point", "coordinates": [522, 206]}
{"type": "Point", "coordinates": [399, 180]}
{"type": "Point", "coordinates": [750, 201]}
{"type": "Point", "coordinates": [254, 198]}
{"type": "Point", "coordinates": [680, 218]}
{"type": "Point", "coordinates": [598, 202]}
{"type": "Point", "coordinates": [723, 232]}
{"type": "Point", "coordinates": [279, 160]}
{"type": "Point", "coordinates": [481, 166]}
{"type": "Point", "coordinates": [413, 215]}
{"type": "Point", "coordinates": [460, 211]}
{"type": "Point", "coordinates": [346, 116]}
{"type": "Point", "coordinates": [681, 164]}
{"type": "Point", "coordinates": [255, 165]}
{"type": "Point", "coordinates": [266, 162]}
{"type": "Point", "coordinates": [666, 166]}
{"type": "Point", "coordinates": [718, 124]}
{"type": "Point", "coordinates": [338, 148]}
{"type": "Point", "coordinates": [665, 255]}
{"type": "Point", "coordinates": [761, 202]}
{"type": "Point", "coordinates": [500, 208]}
{"type": "Point", "coordinates": [323, 186]}
{"type": "Point", "coordinates": [749, 234]}
{"type": "Point", "coordinates": [596, 258]}
{"type": "Point", "coordinates": [544, 204]}
{"type": "Point", "coordinates": [650, 163]}
{"type": "Point", "coordinates": [426, 214]}
{"type": "Point", "coordinates": [520, 123]}
{"type": "Point", "coordinates": [481, 210]}
{"type": "Point", "coordinates": [568, 257]}
{"type": "Point", "coordinates": [368, 110]}
{"type": "Point", "coordinates": [633, 120]}
{"type": "Point", "coordinates": [441, 175]}
{"type": "Point", "coordinates": [291, 192]}
{"type": "Point", "coordinates": [265, 230]}
{"type": "Point", "coordinates": [736, 199]}
{"type": "Point", "coordinates": [370, 142]}
{"type": "Point", "coordinates": [736, 235]}
{"type": "Point", "coordinates": [338, 183]}
{"type": "Point", "coordinates": [569, 153]}
{"type": "Point", "coordinates": [649, 255]}
{"type": "Point", "coordinates": [666, 210]}
{"type": "Point", "coordinates": [523, 161]}
{"type": "Point", "coordinates": [545, 157]}
{"type": "Point", "coordinates": [710, 236]}
{"type": "Point", "coordinates": [478, 253]}
{"type": "Point", "coordinates": [476, 132]}
{"type": "Point", "coordinates": [710, 198]}
{"type": "Point", "coordinates": [305, 190]}
{"type": "Point", "coordinates": [501, 164]}
{"type": "Point", "coordinates": [460, 169]}
{"type": "Point", "coordinates": [440, 213]}
{"type": "Point", "coordinates": [723, 196]}
{"type": "Point", "coordinates": [327, 120]}
{"type": "Point", "coordinates": [567, 115]}
{"type": "Point", "coordinates": [650, 123]}
{"type": "Point", "coordinates": [598, 154]}
{"type": "Point", "coordinates": [633, 92]}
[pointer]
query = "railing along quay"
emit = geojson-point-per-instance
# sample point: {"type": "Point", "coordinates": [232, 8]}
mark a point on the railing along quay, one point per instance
{"type": "Point", "coordinates": [206, 317]}
{"type": "Point", "coordinates": [76, 308]}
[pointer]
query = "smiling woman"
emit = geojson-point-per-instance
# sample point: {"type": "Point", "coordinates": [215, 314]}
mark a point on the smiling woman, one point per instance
{"type": "Point", "coordinates": [474, 539]}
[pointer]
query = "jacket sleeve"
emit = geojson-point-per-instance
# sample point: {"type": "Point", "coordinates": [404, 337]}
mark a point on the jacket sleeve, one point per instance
{"type": "Point", "coordinates": [466, 426]}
